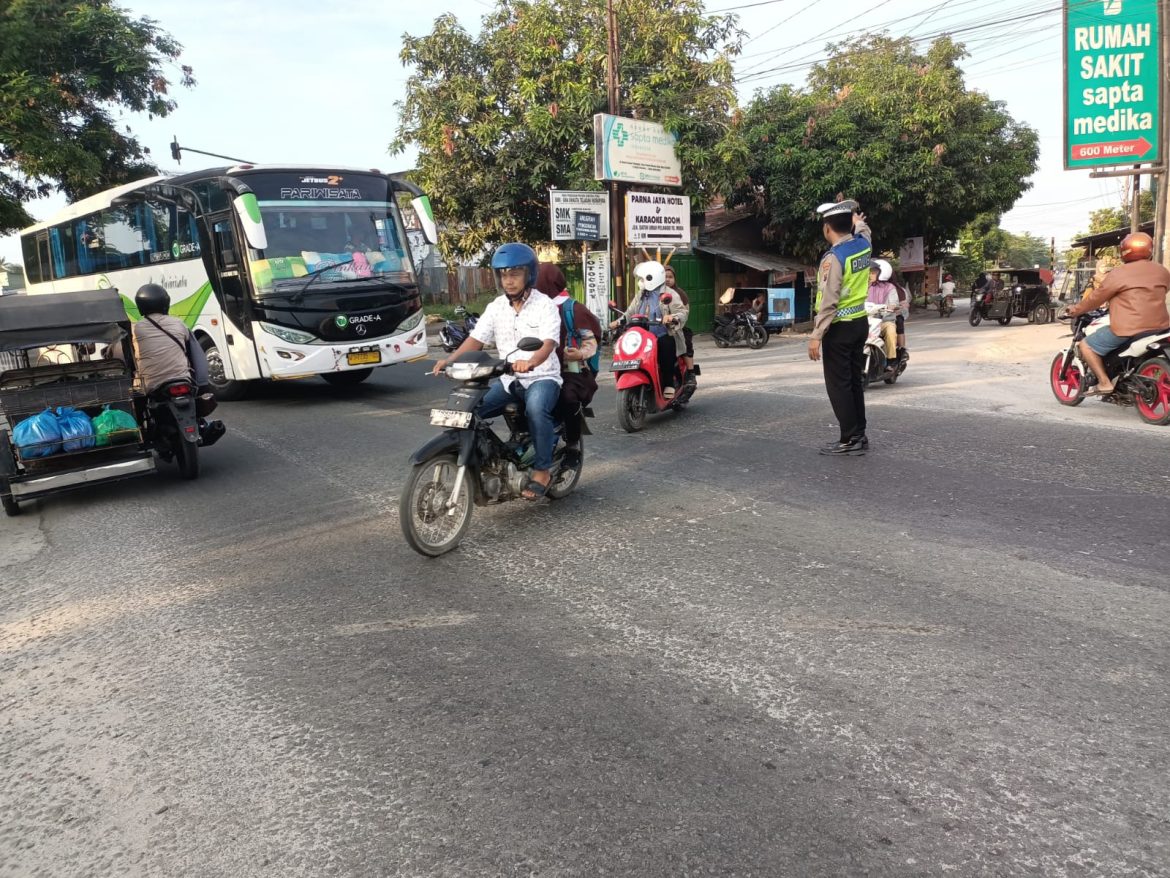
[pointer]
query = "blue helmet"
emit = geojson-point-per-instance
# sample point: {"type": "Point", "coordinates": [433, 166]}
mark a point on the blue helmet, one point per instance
{"type": "Point", "coordinates": [516, 255]}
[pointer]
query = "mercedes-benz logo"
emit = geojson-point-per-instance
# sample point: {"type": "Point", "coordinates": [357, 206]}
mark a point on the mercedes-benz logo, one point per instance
{"type": "Point", "coordinates": [359, 328]}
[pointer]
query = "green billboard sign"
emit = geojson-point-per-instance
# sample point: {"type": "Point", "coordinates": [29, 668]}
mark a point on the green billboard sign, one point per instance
{"type": "Point", "coordinates": [1112, 83]}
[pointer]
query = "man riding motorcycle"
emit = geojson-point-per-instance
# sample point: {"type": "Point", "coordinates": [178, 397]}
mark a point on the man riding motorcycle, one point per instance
{"type": "Point", "coordinates": [521, 311]}
{"type": "Point", "coordinates": [1136, 294]}
{"type": "Point", "coordinates": [667, 320]}
{"type": "Point", "coordinates": [883, 301]}
{"type": "Point", "coordinates": [166, 350]}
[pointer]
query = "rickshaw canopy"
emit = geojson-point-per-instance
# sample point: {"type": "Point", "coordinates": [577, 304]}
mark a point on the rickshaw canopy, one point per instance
{"type": "Point", "coordinates": [61, 318]}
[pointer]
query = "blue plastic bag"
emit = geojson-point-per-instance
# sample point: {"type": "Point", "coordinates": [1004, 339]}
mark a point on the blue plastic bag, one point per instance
{"type": "Point", "coordinates": [76, 430]}
{"type": "Point", "coordinates": [38, 436]}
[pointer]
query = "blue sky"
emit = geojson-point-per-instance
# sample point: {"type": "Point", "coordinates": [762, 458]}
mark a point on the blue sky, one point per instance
{"type": "Point", "coordinates": [317, 83]}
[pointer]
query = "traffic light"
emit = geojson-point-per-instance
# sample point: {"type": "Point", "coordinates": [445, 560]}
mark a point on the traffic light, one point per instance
{"type": "Point", "coordinates": [176, 150]}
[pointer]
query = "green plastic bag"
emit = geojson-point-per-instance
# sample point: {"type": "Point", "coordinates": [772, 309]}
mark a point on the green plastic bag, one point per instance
{"type": "Point", "coordinates": [114, 426]}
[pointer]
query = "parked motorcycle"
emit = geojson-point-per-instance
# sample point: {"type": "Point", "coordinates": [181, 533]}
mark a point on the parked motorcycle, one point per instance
{"type": "Point", "coordinates": [1140, 371]}
{"type": "Point", "coordinates": [744, 326]}
{"type": "Point", "coordinates": [454, 334]}
{"type": "Point", "coordinates": [468, 464]}
{"type": "Point", "coordinates": [639, 386]}
{"type": "Point", "coordinates": [877, 366]}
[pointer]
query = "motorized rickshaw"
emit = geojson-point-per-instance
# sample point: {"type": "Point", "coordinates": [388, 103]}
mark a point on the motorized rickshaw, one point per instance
{"type": "Point", "coordinates": [1013, 292]}
{"type": "Point", "coordinates": [68, 353]}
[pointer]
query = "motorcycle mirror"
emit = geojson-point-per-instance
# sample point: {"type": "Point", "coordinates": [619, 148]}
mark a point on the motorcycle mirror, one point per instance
{"type": "Point", "coordinates": [666, 298]}
{"type": "Point", "coordinates": [529, 344]}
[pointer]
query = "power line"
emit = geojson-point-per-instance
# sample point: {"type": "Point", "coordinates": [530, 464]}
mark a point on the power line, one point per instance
{"type": "Point", "coordinates": [798, 65]}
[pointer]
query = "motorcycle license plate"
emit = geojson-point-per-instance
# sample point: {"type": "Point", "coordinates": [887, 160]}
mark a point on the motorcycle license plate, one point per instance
{"type": "Point", "coordinates": [448, 418]}
{"type": "Point", "coordinates": [363, 358]}
{"type": "Point", "coordinates": [625, 365]}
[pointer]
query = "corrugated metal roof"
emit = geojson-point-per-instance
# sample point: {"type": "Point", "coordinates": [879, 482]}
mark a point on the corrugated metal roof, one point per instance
{"type": "Point", "coordinates": [755, 259]}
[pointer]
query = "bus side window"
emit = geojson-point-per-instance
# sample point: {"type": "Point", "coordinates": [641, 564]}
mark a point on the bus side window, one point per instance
{"type": "Point", "coordinates": [225, 244]}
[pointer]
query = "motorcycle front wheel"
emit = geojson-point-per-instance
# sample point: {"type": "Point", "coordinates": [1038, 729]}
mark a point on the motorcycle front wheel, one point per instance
{"type": "Point", "coordinates": [975, 318]}
{"type": "Point", "coordinates": [632, 408]}
{"type": "Point", "coordinates": [758, 338]}
{"type": "Point", "coordinates": [1068, 385]}
{"type": "Point", "coordinates": [430, 527]}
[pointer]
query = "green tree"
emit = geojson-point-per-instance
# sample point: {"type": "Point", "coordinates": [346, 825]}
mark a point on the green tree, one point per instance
{"type": "Point", "coordinates": [893, 127]}
{"type": "Point", "coordinates": [1109, 219]}
{"type": "Point", "coordinates": [501, 117]}
{"type": "Point", "coordinates": [68, 68]}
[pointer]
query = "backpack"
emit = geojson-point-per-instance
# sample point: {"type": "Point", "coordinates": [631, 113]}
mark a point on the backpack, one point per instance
{"type": "Point", "coordinates": [574, 338]}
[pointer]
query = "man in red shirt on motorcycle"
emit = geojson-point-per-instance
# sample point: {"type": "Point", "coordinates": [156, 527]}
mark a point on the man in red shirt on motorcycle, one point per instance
{"type": "Point", "coordinates": [1136, 294]}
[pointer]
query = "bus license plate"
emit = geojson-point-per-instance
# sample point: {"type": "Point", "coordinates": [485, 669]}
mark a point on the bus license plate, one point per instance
{"type": "Point", "coordinates": [448, 418]}
{"type": "Point", "coordinates": [364, 358]}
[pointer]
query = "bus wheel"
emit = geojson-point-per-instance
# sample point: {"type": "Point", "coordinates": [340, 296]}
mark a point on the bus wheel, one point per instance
{"type": "Point", "coordinates": [223, 387]}
{"type": "Point", "coordinates": [352, 378]}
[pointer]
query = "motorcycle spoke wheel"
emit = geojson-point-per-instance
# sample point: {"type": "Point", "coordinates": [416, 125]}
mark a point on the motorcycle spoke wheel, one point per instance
{"type": "Point", "coordinates": [567, 477]}
{"type": "Point", "coordinates": [1068, 385]}
{"type": "Point", "coordinates": [433, 518]}
{"type": "Point", "coordinates": [1153, 399]}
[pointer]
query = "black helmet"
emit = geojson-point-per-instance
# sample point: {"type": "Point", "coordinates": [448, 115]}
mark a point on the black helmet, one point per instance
{"type": "Point", "coordinates": [152, 299]}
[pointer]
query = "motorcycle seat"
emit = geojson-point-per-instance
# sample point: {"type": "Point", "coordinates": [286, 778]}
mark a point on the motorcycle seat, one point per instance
{"type": "Point", "coordinates": [1141, 342]}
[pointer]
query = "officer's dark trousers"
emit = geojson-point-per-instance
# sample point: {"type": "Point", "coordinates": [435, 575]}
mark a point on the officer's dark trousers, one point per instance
{"type": "Point", "coordinates": [843, 355]}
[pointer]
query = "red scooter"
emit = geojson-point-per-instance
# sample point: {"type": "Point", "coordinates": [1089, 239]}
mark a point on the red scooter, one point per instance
{"type": "Point", "coordinates": [639, 386]}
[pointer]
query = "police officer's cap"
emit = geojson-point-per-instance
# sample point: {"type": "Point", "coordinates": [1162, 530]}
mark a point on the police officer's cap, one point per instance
{"type": "Point", "coordinates": [835, 208]}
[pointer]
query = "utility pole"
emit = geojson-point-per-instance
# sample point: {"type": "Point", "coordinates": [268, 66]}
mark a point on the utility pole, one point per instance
{"type": "Point", "coordinates": [617, 225]}
{"type": "Point", "coordinates": [1162, 190]}
{"type": "Point", "coordinates": [1135, 213]}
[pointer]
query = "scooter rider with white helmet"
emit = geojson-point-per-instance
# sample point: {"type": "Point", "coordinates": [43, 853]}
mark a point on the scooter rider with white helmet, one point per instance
{"type": "Point", "coordinates": [667, 319]}
{"type": "Point", "coordinates": [883, 302]}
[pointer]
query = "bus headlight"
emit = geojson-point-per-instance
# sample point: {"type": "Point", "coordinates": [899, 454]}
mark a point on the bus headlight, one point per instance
{"type": "Point", "coordinates": [411, 322]}
{"type": "Point", "coordinates": [292, 336]}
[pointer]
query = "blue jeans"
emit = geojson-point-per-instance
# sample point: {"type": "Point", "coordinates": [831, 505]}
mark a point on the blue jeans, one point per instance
{"type": "Point", "coordinates": [539, 400]}
{"type": "Point", "coordinates": [1105, 341]}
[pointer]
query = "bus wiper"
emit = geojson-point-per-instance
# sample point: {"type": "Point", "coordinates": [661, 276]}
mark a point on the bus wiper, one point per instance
{"type": "Point", "coordinates": [299, 295]}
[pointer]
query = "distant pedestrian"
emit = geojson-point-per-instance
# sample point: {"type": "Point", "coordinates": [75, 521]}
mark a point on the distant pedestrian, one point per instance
{"type": "Point", "coordinates": [839, 325]}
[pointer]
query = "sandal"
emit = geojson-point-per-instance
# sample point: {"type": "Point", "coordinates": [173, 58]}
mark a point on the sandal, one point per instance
{"type": "Point", "coordinates": [534, 491]}
{"type": "Point", "coordinates": [1097, 391]}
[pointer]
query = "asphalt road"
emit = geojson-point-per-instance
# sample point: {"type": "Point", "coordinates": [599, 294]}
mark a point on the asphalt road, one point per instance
{"type": "Point", "coordinates": [724, 655]}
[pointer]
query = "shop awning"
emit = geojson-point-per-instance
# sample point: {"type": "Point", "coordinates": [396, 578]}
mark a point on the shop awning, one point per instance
{"type": "Point", "coordinates": [755, 259]}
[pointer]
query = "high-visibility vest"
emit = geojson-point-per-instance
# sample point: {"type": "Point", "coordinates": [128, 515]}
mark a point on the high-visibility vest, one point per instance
{"type": "Point", "coordinates": [854, 256]}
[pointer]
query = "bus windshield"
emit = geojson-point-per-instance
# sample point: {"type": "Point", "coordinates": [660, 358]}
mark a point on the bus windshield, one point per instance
{"type": "Point", "coordinates": [334, 228]}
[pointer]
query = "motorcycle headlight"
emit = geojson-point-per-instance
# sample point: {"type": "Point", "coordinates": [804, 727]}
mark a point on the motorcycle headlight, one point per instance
{"type": "Point", "coordinates": [468, 371]}
{"type": "Point", "coordinates": [411, 322]}
{"type": "Point", "coordinates": [292, 336]}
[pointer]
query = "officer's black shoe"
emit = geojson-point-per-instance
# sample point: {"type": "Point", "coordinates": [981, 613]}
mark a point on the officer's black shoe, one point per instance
{"type": "Point", "coordinates": [855, 446]}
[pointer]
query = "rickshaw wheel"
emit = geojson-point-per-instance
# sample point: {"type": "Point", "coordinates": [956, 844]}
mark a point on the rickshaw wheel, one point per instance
{"type": "Point", "coordinates": [11, 507]}
{"type": "Point", "coordinates": [1005, 320]}
{"type": "Point", "coordinates": [1041, 314]}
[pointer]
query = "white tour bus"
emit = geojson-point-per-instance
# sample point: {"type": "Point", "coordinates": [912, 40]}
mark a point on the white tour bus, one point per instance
{"type": "Point", "coordinates": [280, 271]}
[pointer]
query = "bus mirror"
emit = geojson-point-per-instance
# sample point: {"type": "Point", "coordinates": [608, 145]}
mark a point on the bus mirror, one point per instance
{"type": "Point", "coordinates": [248, 210]}
{"type": "Point", "coordinates": [422, 210]}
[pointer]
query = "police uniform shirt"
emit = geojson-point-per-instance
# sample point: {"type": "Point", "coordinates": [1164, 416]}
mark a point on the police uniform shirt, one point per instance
{"type": "Point", "coordinates": [829, 277]}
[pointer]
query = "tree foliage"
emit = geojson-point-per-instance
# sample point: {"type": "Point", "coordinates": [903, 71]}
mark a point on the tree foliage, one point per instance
{"type": "Point", "coordinates": [501, 117]}
{"type": "Point", "coordinates": [1109, 219]}
{"type": "Point", "coordinates": [983, 243]}
{"type": "Point", "coordinates": [893, 127]}
{"type": "Point", "coordinates": [69, 69]}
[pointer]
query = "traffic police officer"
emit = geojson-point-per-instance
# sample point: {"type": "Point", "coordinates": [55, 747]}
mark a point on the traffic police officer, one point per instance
{"type": "Point", "coordinates": [839, 325]}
